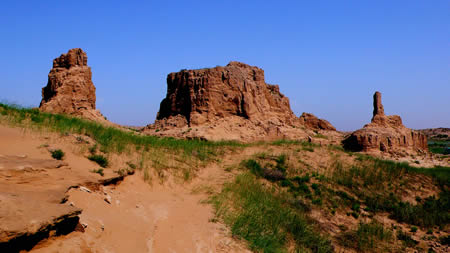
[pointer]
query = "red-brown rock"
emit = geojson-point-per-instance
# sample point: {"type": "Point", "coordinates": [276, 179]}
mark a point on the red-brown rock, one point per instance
{"type": "Point", "coordinates": [312, 122]}
{"type": "Point", "coordinates": [386, 134]}
{"type": "Point", "coordinates": [235, 90]}
{"type": "Point", "coordinates": [228, 103]}
{"type": "Point", "coordinates": [70, 89]}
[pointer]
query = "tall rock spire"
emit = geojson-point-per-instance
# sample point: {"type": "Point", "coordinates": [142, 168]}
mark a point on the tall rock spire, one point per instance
{"type": "Point", "coordinates": [69, 88]}
{"type": "Point", "coordinates": [377, 105]}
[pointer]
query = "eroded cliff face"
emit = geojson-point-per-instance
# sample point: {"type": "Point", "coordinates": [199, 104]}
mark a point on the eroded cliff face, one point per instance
{"type": "Point", "coordinates": [70, 89]}
{"type": "Point", "coordinates": [237, 89]}
{"type": "Point", "coordinates": [232, 102]}
{"type": "Point", "coordinates": [386, 134]}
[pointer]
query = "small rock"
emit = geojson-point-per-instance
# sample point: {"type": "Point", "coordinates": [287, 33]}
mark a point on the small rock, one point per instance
{"type": "Point", "coordinates": [82, 188]}
{"type": "Point", "coordinates": [22, 156]}
{"type": "Point", "coordinates": [108, 199]}
{"type": "Point", "coordinates": [71, 204]}
{"type": "Point", "coordinates": [84, 225]}
{"type": "Point", "coordinates": [103, 227]}
{"type": "Point", "coordinates": [117, 202]}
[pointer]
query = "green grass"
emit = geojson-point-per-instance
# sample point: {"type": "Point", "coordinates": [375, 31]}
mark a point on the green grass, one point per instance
{"type": "Point", "coordinates": [433, 212]}
{"type": "Point", "coordinates": [439, 146]}
{"type": "Point", "coordinates": [110, 139]}
{"type": "Point", "coordinates": [264, 217]}
{"type": "Point", "coordinates": [377, 172]}
{"type": "Point", "coordinates": [57, 154]}
{"type": "Point", "coordinates": [100, 160]}
{"type": "Point", "coordinates": [370, 181]}
{"type": "Point", "coordinates": [99, 171]}
{"type": "Point", "coordinates": [368, 237]}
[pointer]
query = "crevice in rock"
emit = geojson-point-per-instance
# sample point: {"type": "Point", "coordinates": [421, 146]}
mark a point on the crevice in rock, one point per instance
{"type": "Point", "coordinates": [62, 225]}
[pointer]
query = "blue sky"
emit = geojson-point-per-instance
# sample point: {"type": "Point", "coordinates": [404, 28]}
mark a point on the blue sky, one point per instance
{"type": "Point", "coordinates": [328, 57]}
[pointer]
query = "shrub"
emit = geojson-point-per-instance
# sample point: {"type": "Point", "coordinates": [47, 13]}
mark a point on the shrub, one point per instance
{"type": "Point", "coordinates": [57, 154]}
{"type": "Point", "coordinates": [317, 201]}
{"type": "Point", "coordinates": [100, 160]}
{"type": "Point", "coordinates": [99, 171]}
{"type": "Point", "coordinates": [253, 166]}
{"type": "Point", "coordinates": [406, 238]}
{"type": "Point", "coordinates": [281, 163]}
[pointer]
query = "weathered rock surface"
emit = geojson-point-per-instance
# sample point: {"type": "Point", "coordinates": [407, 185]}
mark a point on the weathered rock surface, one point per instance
{"type": "Point", "coordinates": [228, 103]}
{"type": "Point", "coordinates": [235, 90]}
{"type": "Point", "coordinates": [33, 189]}
{"type": "Point", "coordinates": [70, 89]}
{"type": "Point", "coordinates": [386, 134]}
{"type": "Point", "coordinates": [312, 122]}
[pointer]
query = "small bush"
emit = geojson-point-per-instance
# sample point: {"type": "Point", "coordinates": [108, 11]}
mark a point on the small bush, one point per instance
{"type": "Point", "coordinates": [281, 163]}
{"type": "Point", "coordinates": [57, 154]}
{"type": "Point", "coordinates": [100, 160]}
{"type": "Point", "coordinates": [317, 201]}
{"type": "Point", "coordinates": [413, 229]}
{"type": "Point", "coordinates": [99, 171]}
{"type": "Point", "coordinates": [406, 238]}
{"type": "Point", "coordinates": [253, 166]}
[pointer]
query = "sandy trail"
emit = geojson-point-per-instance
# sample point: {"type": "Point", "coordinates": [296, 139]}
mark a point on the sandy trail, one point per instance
{"type": "Point", "coordinates": [144, 218]}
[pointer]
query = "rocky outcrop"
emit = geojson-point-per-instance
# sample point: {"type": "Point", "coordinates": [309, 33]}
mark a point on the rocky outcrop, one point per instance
{"type": "Point", "coordinates": [312, 122]}
{"type": "Point", "coordinates": [386, 134]}
{"type": "Point", "coordinates": [70, 89]}
{"type": "Point", "coordinates": [228, 103]}
{"type": "Point", "coordinates": [204, 95]}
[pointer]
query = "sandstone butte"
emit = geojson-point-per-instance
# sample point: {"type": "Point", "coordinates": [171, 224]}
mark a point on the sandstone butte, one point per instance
{"type": "Point", "coordinates": [70, 89]}
{"type": "Point", "coordinates": [233, 103]}
{"type": "Point", "coordinates": [386, 134]}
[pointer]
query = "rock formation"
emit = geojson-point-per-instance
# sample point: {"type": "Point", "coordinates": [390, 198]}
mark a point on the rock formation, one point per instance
{"type": "Point", "coordinates": [70, 89]}
{"type": "Point", "coordinates": [312, 122]}
{"type": "Point", "coordinates": [386, 134]}
{"type": "Point", "coordinates": [235, 90]}
{"type": "Point", "coordinates": [232, 102]}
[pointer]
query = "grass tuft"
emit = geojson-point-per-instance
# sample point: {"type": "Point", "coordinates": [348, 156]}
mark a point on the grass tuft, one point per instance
{"type": "Point", "coordinates": [57, 154]}
{"type": "Point", "coordinates": [100, 160]}
{"type": "Point", "coordinates": [369, 237]}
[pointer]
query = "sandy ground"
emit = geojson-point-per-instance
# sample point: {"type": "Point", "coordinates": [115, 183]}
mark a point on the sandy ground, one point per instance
{"type": "Point", "coordinates": [140, 217]}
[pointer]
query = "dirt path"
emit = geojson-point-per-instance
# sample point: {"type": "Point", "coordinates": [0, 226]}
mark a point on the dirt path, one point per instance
{"type": "Point", "coordinates": [144, 218]}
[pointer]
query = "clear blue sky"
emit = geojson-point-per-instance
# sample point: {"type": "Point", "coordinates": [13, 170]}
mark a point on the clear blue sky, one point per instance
{"type": "Point", "coordinates": [328, 57]}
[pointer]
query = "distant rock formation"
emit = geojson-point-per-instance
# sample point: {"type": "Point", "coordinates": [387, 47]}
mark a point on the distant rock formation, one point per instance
{"type": "Point", "coordinates": [238, 89]}
{"type": "Point", "coordinates": [386, 134]}
{"type": "Point", "coordinates": [70, 89]}
{"type": "Point", "coordinates": [312, 122]}
{"type": "Point", "coordinates": [232, 102]}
